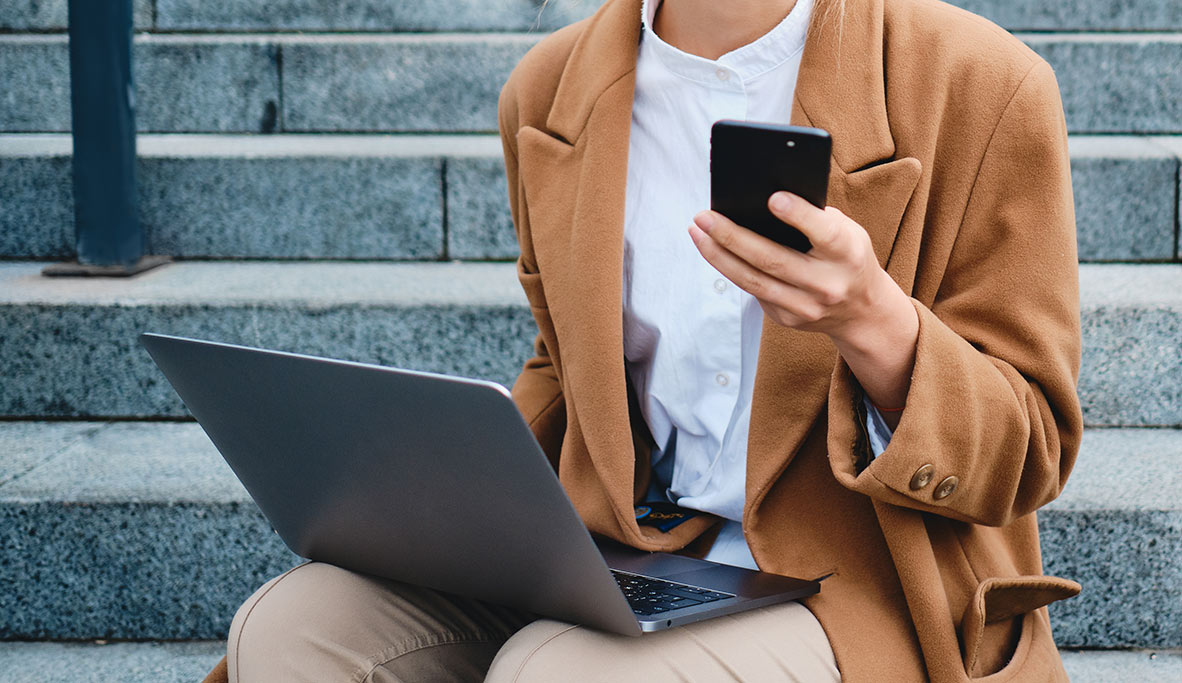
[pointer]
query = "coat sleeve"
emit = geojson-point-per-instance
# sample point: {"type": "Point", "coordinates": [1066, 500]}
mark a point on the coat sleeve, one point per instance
{"type": "Point", "coordinates": [992, 407]}
{"type": "Point", "coordinates": [538, 390]}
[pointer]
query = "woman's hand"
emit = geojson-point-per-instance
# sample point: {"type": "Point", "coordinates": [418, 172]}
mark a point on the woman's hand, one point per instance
{"type": "Point", "coordinates": [837, 288]}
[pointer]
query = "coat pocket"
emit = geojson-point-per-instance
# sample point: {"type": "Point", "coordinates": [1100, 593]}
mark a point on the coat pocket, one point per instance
{"type": "Point", "coordinates": [1000, 599]}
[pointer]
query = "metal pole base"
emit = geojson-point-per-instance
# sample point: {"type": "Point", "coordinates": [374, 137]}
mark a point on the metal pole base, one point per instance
{"type": "Point", "coordinates": [75, 269]}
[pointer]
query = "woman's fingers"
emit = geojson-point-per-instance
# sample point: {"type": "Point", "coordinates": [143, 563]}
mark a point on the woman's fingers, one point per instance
{"type": "Point", "coordinates": [823, 227]}
{"type": "Point", "coordinates": [795, 306]}
{"type": "Point", "coordinates": [775, 259]}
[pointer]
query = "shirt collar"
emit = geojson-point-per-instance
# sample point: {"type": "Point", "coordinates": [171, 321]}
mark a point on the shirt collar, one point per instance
{"type": "Point", "coordinates": [747, 62]}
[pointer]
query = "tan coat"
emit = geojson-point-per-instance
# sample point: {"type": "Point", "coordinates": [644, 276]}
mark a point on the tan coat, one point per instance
{"type": "Point", "coordinates": [951, 150]}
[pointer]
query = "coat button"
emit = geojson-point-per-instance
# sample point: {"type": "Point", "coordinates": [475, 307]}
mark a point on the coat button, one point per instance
{"type": "Point", "coordinates": [922, 477]}
{"type": "Point", "coordinates": [945, 488]}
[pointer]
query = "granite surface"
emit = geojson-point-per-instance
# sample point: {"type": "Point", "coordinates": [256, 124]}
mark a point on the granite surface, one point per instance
{"type": "Point", "coordinates": [1132, 345]}
{"type": "Point", "coordinates": [406, 83]}
{"type": "Point", "coordinates": [36, 206]}
{"type": "Point", "coordinates": [124, 463]}
{"type": "Point", "coordinates": [270, 197]}
{"type": "Point", "coordinates": [360, 208]}
{"type": "Point", "coordinates": [182, 83]}
{"type": "Point", "coordinates": [36, 92]}
{"type": "Point", "coordinates": [479, 225]}
{"type": "Point", "coordinates": [1117, 530]}
{"type": "Point", "coordinates": [1128, 564]}
{"type": "Point", "coordinates": [105, 662]}
{"type": "Point", "coordinates": [1126, 194]}
{"type": "Point", "coordinates": [200, 83]}
{"type": "Point", "coordinates": [317, 285]}
{"type": "Point", "coordinates": [1116, 83]}
{"type": "Point", "coordinates": [371, 15]}
{"type": "Point", "coordinates": [140, 531]}
{"type": "Point", "coordinates": [134, 571]}
{"type": "Point", "coordinates": [74, 344]}
{"type": "Point", "coordinates": [53, 15]}
{"type": "Point", "coordinates": [1079, 15]}
{"type": "Point", "coordinates": [1084, 666]}
{"type": "Point", "coordinates": [26, 445]}
{"type": "Point", "coordinates": [1174, 145]}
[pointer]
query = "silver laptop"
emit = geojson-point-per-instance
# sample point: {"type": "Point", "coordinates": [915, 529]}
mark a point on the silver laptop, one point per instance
{"type": "Point", "coordinates": [435, 481]}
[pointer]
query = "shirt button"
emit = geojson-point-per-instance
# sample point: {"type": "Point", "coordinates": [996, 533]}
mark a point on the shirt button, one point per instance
{"type": "Point", "coordinates": [723, 74]}
{"type": "Point", "coordinates": [722, 379]}
{"type": "Point", "coordinates": [720, 285]}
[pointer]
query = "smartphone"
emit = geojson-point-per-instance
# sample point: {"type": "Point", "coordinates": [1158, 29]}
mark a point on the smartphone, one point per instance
{"type": "Point", "coordinates": [750, 161]}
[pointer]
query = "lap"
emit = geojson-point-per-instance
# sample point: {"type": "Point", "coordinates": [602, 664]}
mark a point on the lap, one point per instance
{"type": "Point", "coordinates": [321, 623]}
{"type": "Point", "coordinates": [778, 643]}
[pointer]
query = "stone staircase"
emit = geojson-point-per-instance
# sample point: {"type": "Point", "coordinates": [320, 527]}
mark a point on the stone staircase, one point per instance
{"type": "Point", "coordinates": [329, 175]}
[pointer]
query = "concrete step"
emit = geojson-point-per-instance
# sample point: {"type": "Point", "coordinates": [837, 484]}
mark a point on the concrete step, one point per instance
{"type": "Point", "coordinates": [1078, 15]}
{"type": "Point", "coordinates": [1132, 345]}
{"type": "Point", "coordinates": [522, 15]}
{"type": "Point", "coordinates": [305, 15]}
{"type": "Point", "coordinates": [102, 662]}
{"type": "Point", "coordinates": [52, 15]}
{"type": "Point", "coordinates": [72, 343]}
{"type": "Point", "coordinates": [308, 196]}
{"type": "Point", "coordinates": [185, 662]}
{"type": "Point", "coordinates": [133, 531]}
{"type": "Point", "coordinates": [387, 197]}
{"type": "Point", "coordinates": [136, 530]}
{"type": "Point", "coordinates": [1111, 82]}
{"type": "Point", "coordinates": [466, 319]}
{"type": "Point", "coordinates": [1117, 529]}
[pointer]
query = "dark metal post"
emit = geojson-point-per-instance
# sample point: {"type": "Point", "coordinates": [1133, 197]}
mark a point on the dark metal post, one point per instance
{"type": "Point", "coordinates": [109, 238]}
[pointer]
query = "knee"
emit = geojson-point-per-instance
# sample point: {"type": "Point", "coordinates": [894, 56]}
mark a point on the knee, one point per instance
{"type": "Point", "coordinates": [545, 650]}
{"type": "Point", "coordinates": [286, 615]}
{"type": "Point", "coordinates": [284, 603]}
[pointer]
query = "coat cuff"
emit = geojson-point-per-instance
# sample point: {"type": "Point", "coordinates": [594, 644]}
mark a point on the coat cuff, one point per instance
{"type": "Point", "coordinates": [917, 469]}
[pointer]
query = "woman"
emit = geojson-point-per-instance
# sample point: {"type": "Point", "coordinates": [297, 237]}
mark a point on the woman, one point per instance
{"type": "Point", "coordinates": [885, 411]}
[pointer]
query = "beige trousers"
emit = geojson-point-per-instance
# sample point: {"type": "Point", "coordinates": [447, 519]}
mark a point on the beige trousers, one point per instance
{"type": "Point", "coordinates": [322, 624]}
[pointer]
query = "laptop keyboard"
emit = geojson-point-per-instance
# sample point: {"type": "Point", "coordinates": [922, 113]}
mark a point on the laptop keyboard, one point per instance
{"type": "Point", "coordinates": [648, 596]}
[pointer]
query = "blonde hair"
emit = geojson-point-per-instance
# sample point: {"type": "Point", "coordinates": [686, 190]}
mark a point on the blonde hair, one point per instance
{"type": "Point", "coordinates": [826, 11]}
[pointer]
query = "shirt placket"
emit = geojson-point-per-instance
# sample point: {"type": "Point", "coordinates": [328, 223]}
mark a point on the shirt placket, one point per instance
{"type": "Point", "coordinates": [722, 374]}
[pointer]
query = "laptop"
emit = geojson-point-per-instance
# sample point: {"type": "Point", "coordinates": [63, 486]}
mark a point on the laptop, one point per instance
{"type": "Point", "coordinates": [435, 481]}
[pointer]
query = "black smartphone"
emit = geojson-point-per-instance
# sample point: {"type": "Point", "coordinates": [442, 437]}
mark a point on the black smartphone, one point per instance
{"type": "Point", "coordinates": [750, 161]}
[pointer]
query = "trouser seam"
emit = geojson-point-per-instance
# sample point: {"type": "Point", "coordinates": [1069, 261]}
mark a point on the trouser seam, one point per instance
{"type": "Point", "coordinates": [539, 646]}
{"type": "Point", "coordinates": [417, 644]}
{"type": "Point", "coordinates": [246, 617]}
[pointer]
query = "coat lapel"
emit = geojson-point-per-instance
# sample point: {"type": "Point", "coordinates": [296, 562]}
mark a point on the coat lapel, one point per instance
{"type": "Point", "coordinates": [841, 89]}
{"type": "Point", "coordinates": [575, 189]}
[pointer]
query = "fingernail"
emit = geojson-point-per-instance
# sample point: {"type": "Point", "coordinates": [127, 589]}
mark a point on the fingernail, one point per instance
{"type": "Point", "coordinates": [695, 233]}
{"type": "Point", "coordinates": [704, 220]}
{"type": "Point", "coordinates": [781, 201]}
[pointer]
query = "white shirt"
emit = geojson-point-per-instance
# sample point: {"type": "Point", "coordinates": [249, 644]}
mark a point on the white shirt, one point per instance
{"type": "Point", "coordinates": [691, 337]}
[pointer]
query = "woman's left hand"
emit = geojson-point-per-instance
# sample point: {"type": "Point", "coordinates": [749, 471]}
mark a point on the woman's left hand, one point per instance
{"type": "Point", "coordinates": [837, 288]}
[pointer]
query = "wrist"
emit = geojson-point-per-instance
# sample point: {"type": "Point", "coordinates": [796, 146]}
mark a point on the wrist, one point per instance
{"type": "Point", "coordinates": [880, 347]}
{"type": "Point", "coordinates": [887, 320]}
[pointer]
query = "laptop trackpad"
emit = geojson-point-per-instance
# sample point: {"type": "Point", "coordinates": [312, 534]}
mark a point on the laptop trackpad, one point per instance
{"type": "Point", "coordinates": [633, 561]}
